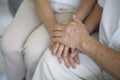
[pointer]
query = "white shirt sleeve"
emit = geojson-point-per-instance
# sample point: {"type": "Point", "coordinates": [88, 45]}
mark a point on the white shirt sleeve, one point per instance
{"type": "Point", "coordinates": [101, 2]}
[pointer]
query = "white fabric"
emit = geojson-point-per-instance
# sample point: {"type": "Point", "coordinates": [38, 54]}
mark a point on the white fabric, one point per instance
{"type": "Point", "coordinates": [110, 25]}
{"type": "Point", "coordinates": [25, 34]}
{"type": "Point", "coordinates": [24, 42]}
{"type": "Point", "coordinates": [101, 2]}
{"type": "Point", "coordinates": [21, 43]}
{"type": "Point", "coordinates": [64, 5]}
{"type": "Point", "coordinates": [50, 69]}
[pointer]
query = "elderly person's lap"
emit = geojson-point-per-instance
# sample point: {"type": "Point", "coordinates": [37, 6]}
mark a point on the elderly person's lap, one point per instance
{"type": "Point", "coordinates": [49, 68]}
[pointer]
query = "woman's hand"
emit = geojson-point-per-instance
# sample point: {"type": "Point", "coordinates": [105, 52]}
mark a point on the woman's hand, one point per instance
{"type": "Point", "coordinates": [64, 53]}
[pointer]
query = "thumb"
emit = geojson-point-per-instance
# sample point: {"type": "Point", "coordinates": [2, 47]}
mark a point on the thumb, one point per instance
{"type": "Point", "coordinates": [76, 19]}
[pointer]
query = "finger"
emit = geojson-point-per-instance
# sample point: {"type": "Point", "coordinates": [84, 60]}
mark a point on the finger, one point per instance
{"type": "Point", "coordinates": [67, 64]}
{"type": "Point", "coordinates": [51, 45]}
{"type": "Point", "coordinates": [60, 50]}
{"type": "Point", "coordinates": [72, 50]}
{"type": "Point", "coordinates": [57, 39]}
{"type": "Point", "coordinates": [55, 48]}
{"type": "Point", "coordinates": [75, 19]}
{"type": "Point", "coordinates": [72, 62]}
{"type": "Point", "coordinates": [65, 53]}
{"type": "Point", "coordinates": [58, 28]}
{"type": "Point", "coordinates": [57, 33]}
{"type": "Point", "coordinates": [77, 60]}
{"type": "Point", "coordinates": [60, 60]}
{"type": "Point", "coordinates": [74, 53]}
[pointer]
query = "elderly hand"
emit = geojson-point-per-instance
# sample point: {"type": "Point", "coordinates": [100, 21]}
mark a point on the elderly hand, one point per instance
{"type": "Point", "coordinates": [72, 34]}
{"type": "Point", "coordinates": [56, 46]}
{"type": "Point", "coordinates": [61, 51]}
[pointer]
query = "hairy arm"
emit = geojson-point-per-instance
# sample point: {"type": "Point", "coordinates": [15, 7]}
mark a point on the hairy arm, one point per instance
{"type": "Point", "coordinates": [107, 58]}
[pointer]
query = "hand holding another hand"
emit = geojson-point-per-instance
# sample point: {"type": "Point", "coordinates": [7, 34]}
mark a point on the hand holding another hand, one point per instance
{"type": "Point", "coordinates": [64, 54]}
{"type": "Point", "coordinates": [70, 56]}
{"type": "Point", "coordinates": [72, 34]}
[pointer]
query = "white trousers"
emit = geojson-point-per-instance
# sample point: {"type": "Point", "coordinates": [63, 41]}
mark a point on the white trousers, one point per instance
{"type": "Point", "coordinates": [20, 45]}
{"type": "Point", "coordinates": [49, 68]}
{"type": "Point", "coordinates": [24, 43]}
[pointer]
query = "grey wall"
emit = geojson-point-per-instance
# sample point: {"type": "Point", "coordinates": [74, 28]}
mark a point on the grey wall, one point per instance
{"type": "Point", "coordinates": [14, 5]}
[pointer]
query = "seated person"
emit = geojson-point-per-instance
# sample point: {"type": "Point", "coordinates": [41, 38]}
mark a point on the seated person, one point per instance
{"type": "Point", "coordinates": [96, 57]}
{"type": "Point", "coordinates": [25, 40]}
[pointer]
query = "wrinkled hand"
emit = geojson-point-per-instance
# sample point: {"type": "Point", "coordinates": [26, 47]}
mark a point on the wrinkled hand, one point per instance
{"type": "Point", "coordinates": [72, 34]}
{"type": "Point", "coordinates": [62, 51]}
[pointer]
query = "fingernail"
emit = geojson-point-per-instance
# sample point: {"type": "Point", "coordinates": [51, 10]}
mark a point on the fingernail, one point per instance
{"type": "Point", "coordinates": [68, 65]}
{"type": "Point", "coordinates": [72, 55]}
{"type": "Point", "coordinates": [53, 54]}
{"type": "Point", "coordinates": [60, 61]}
{"type": "Point", "coordinates": [78, 62]}
{"type": "Point", "coordinates": [74, 66]}
{"type": "Point", "coordinates": [65, 54]}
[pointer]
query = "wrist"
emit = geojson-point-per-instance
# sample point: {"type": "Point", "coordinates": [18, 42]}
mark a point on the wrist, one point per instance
{"type": "Point", "coordinates": [87, 44]}
{"type": "Point", "coordinates": [50, 28]}
{"type": "Point", "coordinates": [83, 43]}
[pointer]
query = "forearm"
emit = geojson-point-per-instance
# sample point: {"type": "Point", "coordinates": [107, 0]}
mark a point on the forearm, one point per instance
{"type": "Point", "coordinates": [46, 14]}
{"type": "Point", "coordinates": [84, 9]}
{"type": "Point", "coordinates": [93, 20]}
{"type": "Point", "coordinates": [107, 58]}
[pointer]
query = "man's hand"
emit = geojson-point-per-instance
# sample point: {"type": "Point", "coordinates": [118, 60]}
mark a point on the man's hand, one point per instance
{"type": "Point", "coordinates": [71, 35]}
{"type": "Point", "coordinates": [70, 56]}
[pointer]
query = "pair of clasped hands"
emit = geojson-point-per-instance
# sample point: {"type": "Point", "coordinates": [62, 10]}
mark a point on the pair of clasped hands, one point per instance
{"type": "Point", "coordinates": [66, 41]}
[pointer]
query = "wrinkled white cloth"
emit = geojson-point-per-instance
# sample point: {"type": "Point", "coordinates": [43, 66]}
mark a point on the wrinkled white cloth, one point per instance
{"type": "Point", "coordinates": [49, 69]}
{"type": "Point", "coordinates": [25, 39]}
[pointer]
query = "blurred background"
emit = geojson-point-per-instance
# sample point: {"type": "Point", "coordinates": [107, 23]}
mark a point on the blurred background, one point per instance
{"type": "Point", "coordinates": [8, 9]}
